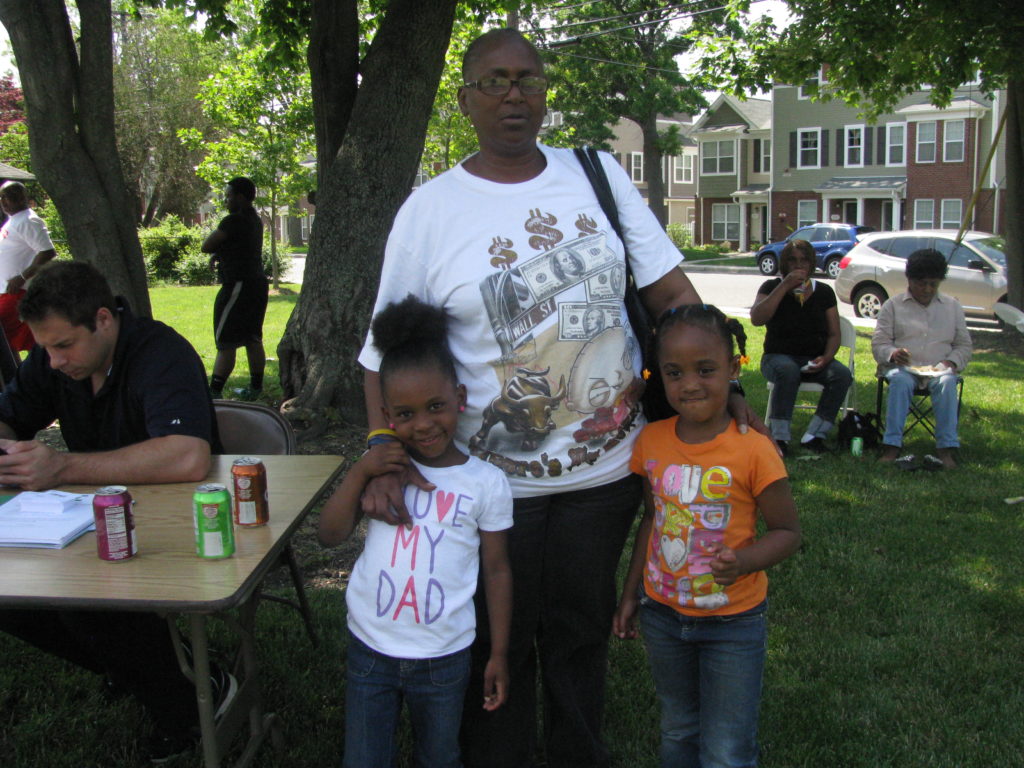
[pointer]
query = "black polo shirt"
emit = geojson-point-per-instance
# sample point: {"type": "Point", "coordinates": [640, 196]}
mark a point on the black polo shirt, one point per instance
{"type": "Point", "coordinates": [156, 387]}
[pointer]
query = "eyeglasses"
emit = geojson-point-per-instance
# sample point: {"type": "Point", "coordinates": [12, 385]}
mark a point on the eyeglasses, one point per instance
{"type": "Point", "coordinates": [531, 85]}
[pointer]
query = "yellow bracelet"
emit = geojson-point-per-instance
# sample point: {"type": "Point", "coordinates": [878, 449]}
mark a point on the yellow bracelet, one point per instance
{"type": "Point", "coordinates": [376, 432]}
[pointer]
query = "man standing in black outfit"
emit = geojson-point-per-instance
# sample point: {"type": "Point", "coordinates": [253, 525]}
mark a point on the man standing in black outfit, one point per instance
{"type": "Point", "coordinates": [237, 248]}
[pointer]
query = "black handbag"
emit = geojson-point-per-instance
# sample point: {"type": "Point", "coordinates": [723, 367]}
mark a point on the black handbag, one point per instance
{"type": "Point", "coordinates": [654, 403]}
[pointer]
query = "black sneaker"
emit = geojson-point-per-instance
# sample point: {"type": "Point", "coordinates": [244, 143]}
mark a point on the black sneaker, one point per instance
{"type": "Point", "coordinates": [815, 445]}
{"type": "Point", "coordinates": [164, 748]}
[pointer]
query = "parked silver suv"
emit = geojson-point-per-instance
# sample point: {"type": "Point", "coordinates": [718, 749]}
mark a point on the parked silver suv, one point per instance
{"type": "Point", "coordinates": [874, 269]}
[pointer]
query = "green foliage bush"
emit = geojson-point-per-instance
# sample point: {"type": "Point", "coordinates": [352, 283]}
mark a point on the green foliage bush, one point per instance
{"type": "Point", "coordinates": [193, 268]}
{"type": "Point", "coordinates": [167, 245]}
{"type": "Point", "coordinates": [680, 235]}
{"type": "Point", "coordinates": [172, 255]}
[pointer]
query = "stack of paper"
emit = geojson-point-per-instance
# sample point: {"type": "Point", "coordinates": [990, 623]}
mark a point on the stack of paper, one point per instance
{"type": "Point", "coordinates": [52, 519]}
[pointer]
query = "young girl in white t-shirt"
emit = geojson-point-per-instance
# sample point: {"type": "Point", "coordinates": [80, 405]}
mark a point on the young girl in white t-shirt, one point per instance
{"type": "Point", "coordinates": [411, 619]}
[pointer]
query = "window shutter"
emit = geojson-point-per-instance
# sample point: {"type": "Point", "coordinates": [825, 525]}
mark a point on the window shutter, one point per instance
{"type": "Point", "coordinates": [869, 135]}
{"type": "Point", "coordinates": [824, 148]}
{"type": "Point", "coordinates": [757, 155]}
{"type": "Point", "coordinates": [840, 161]}
{"type": "Point", "coordinates": [880, 156]}
{"type": "Point", "coordinates": [792, 149]}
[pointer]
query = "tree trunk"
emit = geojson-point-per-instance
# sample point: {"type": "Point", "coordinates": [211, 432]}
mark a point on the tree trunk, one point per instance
{"type": "Point", "coordinates": [652, 169]}
{"type": "Point", "coordinates": [69, 101]}
{"type": "Point", "coordinates": [1015, 192]}
{"type": "Point", "coordinates": [333, 58]}
{"type": "Point", "coordinates": [274, 271]}
{"type": "Point", "coordinates": [358, 196]}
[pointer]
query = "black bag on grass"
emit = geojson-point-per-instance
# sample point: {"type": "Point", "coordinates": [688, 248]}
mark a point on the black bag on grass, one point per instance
{"type": "Point", "coordinates": [862, 425]}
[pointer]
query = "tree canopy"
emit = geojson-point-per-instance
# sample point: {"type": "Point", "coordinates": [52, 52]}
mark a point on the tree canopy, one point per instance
{"type": "Point", "coordinates": [616, 59]}
{"type": "Point", "coordinates": [878, 51]}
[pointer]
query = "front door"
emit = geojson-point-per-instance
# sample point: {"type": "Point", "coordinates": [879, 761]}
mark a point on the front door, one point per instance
{"type": "Point", "coordinates": [850, 212]}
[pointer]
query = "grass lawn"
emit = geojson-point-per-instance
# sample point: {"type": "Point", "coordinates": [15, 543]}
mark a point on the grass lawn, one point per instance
{"type": "Point", "coordinates": [895, 633]}
{"type": "Point", "coordinates": [190, 312]}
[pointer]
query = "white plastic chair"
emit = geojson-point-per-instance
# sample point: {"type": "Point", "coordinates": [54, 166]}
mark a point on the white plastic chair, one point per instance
{"type": "Point", "coordinates": [848, 339]}
{"type": "Point", "coordinates": [1010, 315]}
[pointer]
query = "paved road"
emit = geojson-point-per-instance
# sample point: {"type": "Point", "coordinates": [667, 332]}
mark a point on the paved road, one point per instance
{"type": "Point", "coordinates": [735, 293]}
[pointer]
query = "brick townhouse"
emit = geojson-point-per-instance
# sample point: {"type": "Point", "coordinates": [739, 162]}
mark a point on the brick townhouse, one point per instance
{"type": "Point", "coordinates": [915, 167]}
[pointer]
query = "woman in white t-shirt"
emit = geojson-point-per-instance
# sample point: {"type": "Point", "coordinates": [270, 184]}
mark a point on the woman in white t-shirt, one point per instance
{"type": "Point", "coordinates": [513, 244]}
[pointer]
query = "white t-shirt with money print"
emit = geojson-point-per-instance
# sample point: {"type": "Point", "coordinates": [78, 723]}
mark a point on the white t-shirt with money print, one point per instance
{"type": "Point", "coordinates": [532, 276]}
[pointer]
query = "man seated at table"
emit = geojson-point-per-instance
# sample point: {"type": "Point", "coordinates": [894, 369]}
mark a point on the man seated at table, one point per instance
{"type": "Point", "coordinates": [925, 330]}
{"type": "Point", "coordinates": [133, 404]}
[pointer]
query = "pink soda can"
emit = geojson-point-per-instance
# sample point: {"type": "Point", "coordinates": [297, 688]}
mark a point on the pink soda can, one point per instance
{"type": "Point", "coordinates": [115, 525]}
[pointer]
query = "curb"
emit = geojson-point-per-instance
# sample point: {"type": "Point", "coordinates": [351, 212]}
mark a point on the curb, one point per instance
{"type": "Point", "coordinates": [696, 266]}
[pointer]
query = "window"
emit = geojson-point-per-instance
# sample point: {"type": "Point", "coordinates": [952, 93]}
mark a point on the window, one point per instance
{"type": "Point", "coordinates": [854, 155]}
{"type": "Point", "coordinates": [718, 157]}
{"type": "Point", "coordinates": [950, 213]}
{"type": "Point", "coordinates": [725, 222]}
{"type": "Point", "coordinates": [815, 80]}
{"type": "Point", "coordinates": [636, 166]}
{"type": "Point", "coordinates": [953, 141]}
{"type": "Point", "coordinates": [895, 143]}
{"type": "Point", "coordinates": [766, 156]}
{"type": "Point", "coordinates": [924, 214]}
{"type": "Point", "coordinates": [682, 168]}
{"type": "Point", "coordinates": [926, 142]}
{"type": "Point", "coordinates": [957, 255]}
{"type": "Point", "coordinates": [806, 212]}
{"type": "Point", "coordinates": [808, 146]}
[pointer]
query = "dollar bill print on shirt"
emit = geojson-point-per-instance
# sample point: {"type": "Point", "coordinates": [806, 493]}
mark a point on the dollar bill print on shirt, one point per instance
{"type": "Point", "coordinates": [569, 359]}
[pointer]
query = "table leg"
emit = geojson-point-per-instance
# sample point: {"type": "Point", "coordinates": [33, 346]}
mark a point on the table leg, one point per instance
{"type": "Point", "coordinates": [204, 692]}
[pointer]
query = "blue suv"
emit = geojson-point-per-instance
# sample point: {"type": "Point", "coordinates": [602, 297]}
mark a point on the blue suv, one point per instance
{"type": "Point", "coordinates": [830, 241]}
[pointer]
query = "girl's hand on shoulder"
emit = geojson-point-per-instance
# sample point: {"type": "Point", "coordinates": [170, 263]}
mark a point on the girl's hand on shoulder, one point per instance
{"type": "Point", "coordinates": [624, 620]}
{"type": "Point", "coordinates": [495, 682]}
{"type": "Point", "coordinates": [725, 566]}
{"type": "Point", "coordinates": [384, 458]}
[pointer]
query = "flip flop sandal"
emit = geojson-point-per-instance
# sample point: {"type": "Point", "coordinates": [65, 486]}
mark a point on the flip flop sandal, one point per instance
{"type": "Point", "coordinates": [932, 463]}
{"type": "Point", "coordinates": [906, 463]}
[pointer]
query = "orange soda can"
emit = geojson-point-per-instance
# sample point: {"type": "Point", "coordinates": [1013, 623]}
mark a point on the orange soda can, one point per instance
{"type": "Point", "coordinates": [251, 507]}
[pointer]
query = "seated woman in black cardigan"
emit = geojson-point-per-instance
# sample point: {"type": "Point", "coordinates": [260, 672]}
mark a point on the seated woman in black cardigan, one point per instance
{"type": "Point", "coordinates": [800, 345]}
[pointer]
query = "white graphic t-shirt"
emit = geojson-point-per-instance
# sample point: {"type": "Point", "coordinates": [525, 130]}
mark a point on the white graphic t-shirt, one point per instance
{"type": "Point", "coordinates": [533, 276]}
{"type": "Point", "coordinates": [411, 591]}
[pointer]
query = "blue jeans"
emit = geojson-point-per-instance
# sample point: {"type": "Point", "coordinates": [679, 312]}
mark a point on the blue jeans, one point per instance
{"type": "Point", "coordinates": [707, 673]}
{"type": "Point", "coordinates": [564, 549]}
{"type": "Point", "coordinates": [943, 392]}
{"type": "Point", "coordinates": [434, 690]}
{"type": "Point", "coordinates": [784, 373]}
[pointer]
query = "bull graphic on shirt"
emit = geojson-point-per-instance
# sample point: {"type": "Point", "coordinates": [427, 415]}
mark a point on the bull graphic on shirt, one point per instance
{"type": "Point", "coordinates": [523, 407]}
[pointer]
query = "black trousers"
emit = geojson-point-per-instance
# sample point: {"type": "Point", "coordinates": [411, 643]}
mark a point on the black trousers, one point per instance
{"type": "Point", "coordinates": [134, 650]}
{"type": "Point", "coordinates": [564, 550]}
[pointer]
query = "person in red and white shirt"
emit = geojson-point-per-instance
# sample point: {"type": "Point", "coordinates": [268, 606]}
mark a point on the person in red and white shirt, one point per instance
{"type": "Point", "coordinates": [25, 246]}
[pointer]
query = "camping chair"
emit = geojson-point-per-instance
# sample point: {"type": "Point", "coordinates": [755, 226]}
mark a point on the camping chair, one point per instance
{"type": "Point", "coordinates": [920, 406]}
{"type": "Point", "coordinates": [848, 339]}
{"type": "Point", "coordinates": [248, 428]}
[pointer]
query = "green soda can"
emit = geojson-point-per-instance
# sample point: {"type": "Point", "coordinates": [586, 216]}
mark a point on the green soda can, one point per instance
{"type": "Point", "coordinates": [215, 533]}
{"type": "Point", "coordinates": [857, 446]}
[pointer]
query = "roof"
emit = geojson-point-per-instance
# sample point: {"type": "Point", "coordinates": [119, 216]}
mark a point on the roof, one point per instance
{"type": "Point", "coordinates": [756, 112]}
{"type": "Point", "coordinates": [956, 104]}
{"type": "Point", "coordinates": [857, 183]}
{"type": "Point", "coordinates": [9, 172]}
{"type": "Point", "coordinates": [751, 190]}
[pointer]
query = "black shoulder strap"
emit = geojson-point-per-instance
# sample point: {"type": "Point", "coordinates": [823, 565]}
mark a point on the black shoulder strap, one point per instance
{"type": "Point", "coordinates": [598, 179]}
